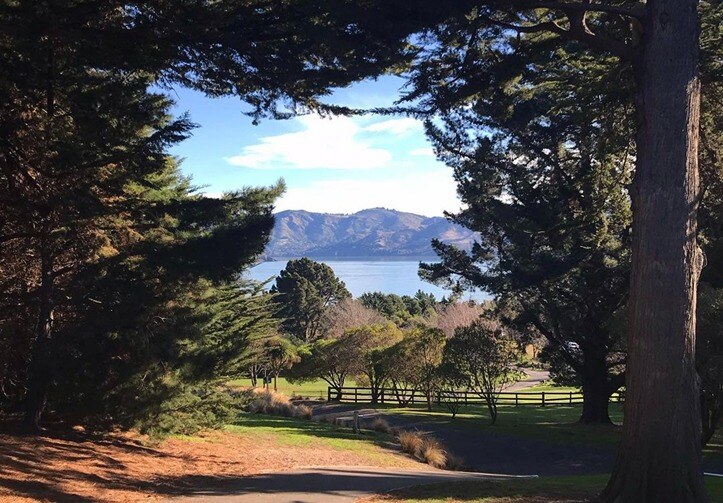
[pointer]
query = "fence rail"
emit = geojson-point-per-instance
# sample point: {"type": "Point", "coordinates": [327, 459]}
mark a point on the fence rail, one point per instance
{"type": "Point", "coordinates": [416, 396]}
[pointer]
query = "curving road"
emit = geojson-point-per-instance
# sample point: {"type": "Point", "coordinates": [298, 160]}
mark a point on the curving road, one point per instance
{"type": "Point", "coordinates": [320, 485]}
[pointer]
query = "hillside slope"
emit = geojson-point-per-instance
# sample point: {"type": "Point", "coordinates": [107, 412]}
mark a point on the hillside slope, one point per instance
{"type": "Point", "coordinates": [372, 233]}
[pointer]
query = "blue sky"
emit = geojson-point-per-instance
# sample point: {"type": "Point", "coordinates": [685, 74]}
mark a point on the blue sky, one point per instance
{"type": "Point", "coordinates": [336, 165]}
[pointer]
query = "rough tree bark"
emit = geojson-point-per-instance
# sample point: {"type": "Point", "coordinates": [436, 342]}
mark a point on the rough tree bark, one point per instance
{"type": "Point", "coordinates": [598, 385]}
{"type": "Point", "coordinates": [595, 400]}
{"type": "Point", "coordinates": [659, 459]}
{"type": "Point", "coordinates": [39, 376]}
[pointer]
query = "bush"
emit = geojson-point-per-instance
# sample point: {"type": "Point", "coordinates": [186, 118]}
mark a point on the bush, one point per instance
{"type": "Point", "coordinates": [381, 426]}
{"type": "Point", "coordinates": [276, 404]}
{"type": "Point", "coordinates": [428, 449]}
{"type": "Point", "coordinates": [454, 463]}
{"type": "Point", "coordinates": [433, 453]}
{"type": "Point", "coordinates": [302, 411]}
{"type": "Point", "coordinates": [411, 442]}
{"type": "Point", "coordinates": [190, 409]}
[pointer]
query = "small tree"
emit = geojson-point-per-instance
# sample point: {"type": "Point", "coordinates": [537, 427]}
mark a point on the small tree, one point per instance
{"type": "Point", "coordinates": [451, 394]}
{"type": "Point", "coordinates": [280, 354]}
{"type": "Point", "coordinates": [374, 341]}
{"type": "Point", "coordinates": [484, 359]}
{"type": "Point", "coordinates": [413, 363]}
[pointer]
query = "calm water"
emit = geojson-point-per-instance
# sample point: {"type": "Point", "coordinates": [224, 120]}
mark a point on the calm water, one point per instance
{"type": "Point", "coordinates": [388, 276]}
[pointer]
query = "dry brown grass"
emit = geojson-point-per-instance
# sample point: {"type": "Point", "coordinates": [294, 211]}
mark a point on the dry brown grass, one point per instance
{"type": "Point", "coordinates": [302, 411]}
{"type": "Point", "coordinates": [277, 404]}
{"type": "Point", "coordinates": [381, 425]}
{"type": "Point", "coordinates": [428, 450]}
{"type": "Point", "coordinates": [411, 442]}
{"type": "Point", "coordinates": [433, 453]}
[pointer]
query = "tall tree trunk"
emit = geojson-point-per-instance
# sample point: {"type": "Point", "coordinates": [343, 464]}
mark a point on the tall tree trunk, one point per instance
{"type": "Point", "coordinates": [40, 374]}
{"type": "Point", "coordinates": [595, 401]}
{"type": "Point", "coordinates": [660, 454]}
{"type": "Point", "coordinates": [597, 386]}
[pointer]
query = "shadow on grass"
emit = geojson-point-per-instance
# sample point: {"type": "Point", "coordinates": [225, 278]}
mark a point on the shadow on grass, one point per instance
{"type": "Point", "coordinates": [542, 490]}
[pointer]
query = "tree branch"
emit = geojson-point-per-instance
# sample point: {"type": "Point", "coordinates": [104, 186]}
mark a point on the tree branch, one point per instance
{"type": "Point", "coordinates": [636, 10]}
{"type": "Point", "coordinates": [578, 31]}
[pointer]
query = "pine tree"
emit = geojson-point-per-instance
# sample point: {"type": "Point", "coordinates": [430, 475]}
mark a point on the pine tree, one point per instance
{"type": "Point", "coordinates": [306, 289]}
{"type": "Point", "coordinates": [543, 164]}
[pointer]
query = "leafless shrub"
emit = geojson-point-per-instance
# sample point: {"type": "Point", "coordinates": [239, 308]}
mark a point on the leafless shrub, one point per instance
{"type": "Point", "coordinates": [459, 314]}
{"type": "Point", "coordinates": [348, 314]}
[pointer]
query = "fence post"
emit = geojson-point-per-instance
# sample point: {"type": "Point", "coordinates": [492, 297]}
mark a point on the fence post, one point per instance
{"type": "Point", "coordinates": [439, 398]}
{"type": "Point", "coordinates": [571, 398]}
{"type": "Point", "coordinates": [543, 398]}
{"type": "Point", "coordinates": [382, 397]}
{"type": "Point", "coordinates": [328, 394]}
{"type": "Point", "coordinates": [517, 399]}
{"type": "Point", "coordinates": [356, 397]}
{"type": "Point", "coordinates": [465, 396]}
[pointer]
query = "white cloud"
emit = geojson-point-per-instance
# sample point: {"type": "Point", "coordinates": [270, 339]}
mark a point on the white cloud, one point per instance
{"type": "Point", "coordinates": [426, 194]}
{"type": "Point", "coordinates": [422, 152]}
{"type": "Point", "coordinates": [329, 143]}
{"type": "Point", "coordinates": [395, 126]}
{"type": "Point", "coordinates": [212, 194]}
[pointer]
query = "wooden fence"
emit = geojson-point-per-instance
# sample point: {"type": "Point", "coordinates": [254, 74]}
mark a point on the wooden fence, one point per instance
{"type": "Point", "coordinates": [411, 397]}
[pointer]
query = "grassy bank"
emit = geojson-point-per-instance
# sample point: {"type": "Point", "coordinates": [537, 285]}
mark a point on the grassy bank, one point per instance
{"type": "Point", "coordinates": [371, 448]}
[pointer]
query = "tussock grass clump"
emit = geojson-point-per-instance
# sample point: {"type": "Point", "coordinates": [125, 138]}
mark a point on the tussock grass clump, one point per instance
{"type": "Point", "coordinates": [428, 450]}
{"type": "Point", "coordinates": [302, 411]}
{"type": "Point", "coordinates": [276, 404]}
{"type": "Point", "coordinates": [454, 463]}
{"type": "Point", "coordinates": [433, 453]}
{"type": "Point", "coordinates": [411, 442]}
{"type": "Point", "coordinates": [381, 426]}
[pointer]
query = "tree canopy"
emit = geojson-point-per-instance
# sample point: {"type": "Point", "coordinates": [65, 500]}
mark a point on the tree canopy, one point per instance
{"type": "Point", "coordinates": [306, 289]}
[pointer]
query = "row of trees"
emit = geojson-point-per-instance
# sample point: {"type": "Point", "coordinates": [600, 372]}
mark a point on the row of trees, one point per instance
{"type": "Point", "coordinates": [420, 359]}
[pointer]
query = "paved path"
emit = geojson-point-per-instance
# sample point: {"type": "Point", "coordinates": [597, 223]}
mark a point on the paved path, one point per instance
{"type": "Point", "coordinates": [319, 485]}
{"type": "Point", "coordinates": [532, 378]}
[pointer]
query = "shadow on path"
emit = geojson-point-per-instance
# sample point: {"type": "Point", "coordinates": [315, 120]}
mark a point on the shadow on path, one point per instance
{"type": "Point", "coordinates": [316, 485]}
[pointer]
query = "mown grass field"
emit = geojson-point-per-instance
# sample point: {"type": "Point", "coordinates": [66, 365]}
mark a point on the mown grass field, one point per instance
{"type": "Point", "coordinates": [311, 389]}
{"type": "Point", "coordinates": [300, 433]}
{"type": "Point", "coordinates": [553, 423]}
{"type": "Point", "coordinates": [541, 490]}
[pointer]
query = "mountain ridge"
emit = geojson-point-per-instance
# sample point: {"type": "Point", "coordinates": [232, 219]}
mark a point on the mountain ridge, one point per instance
{"type": "Point", "coordinates": [368, 233]}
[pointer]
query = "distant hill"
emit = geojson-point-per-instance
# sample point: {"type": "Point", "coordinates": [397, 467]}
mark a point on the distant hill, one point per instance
{"type": "Point", "coordinates": [372, 233]}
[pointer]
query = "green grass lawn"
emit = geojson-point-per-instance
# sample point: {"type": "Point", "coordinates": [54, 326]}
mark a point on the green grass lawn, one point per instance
{"type": "Point", "coordinates": [312, 389]}
{"type": "Point", "coordinates": [553, 423]}
{"type": "Point", "coordinates": [544, 489]}
{"type": "Point", "coordinates": [376, 448]}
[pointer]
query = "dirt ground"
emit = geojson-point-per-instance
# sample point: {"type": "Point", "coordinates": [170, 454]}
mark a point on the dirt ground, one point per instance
{"type": "Point", "coordinates": [123, 467]}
